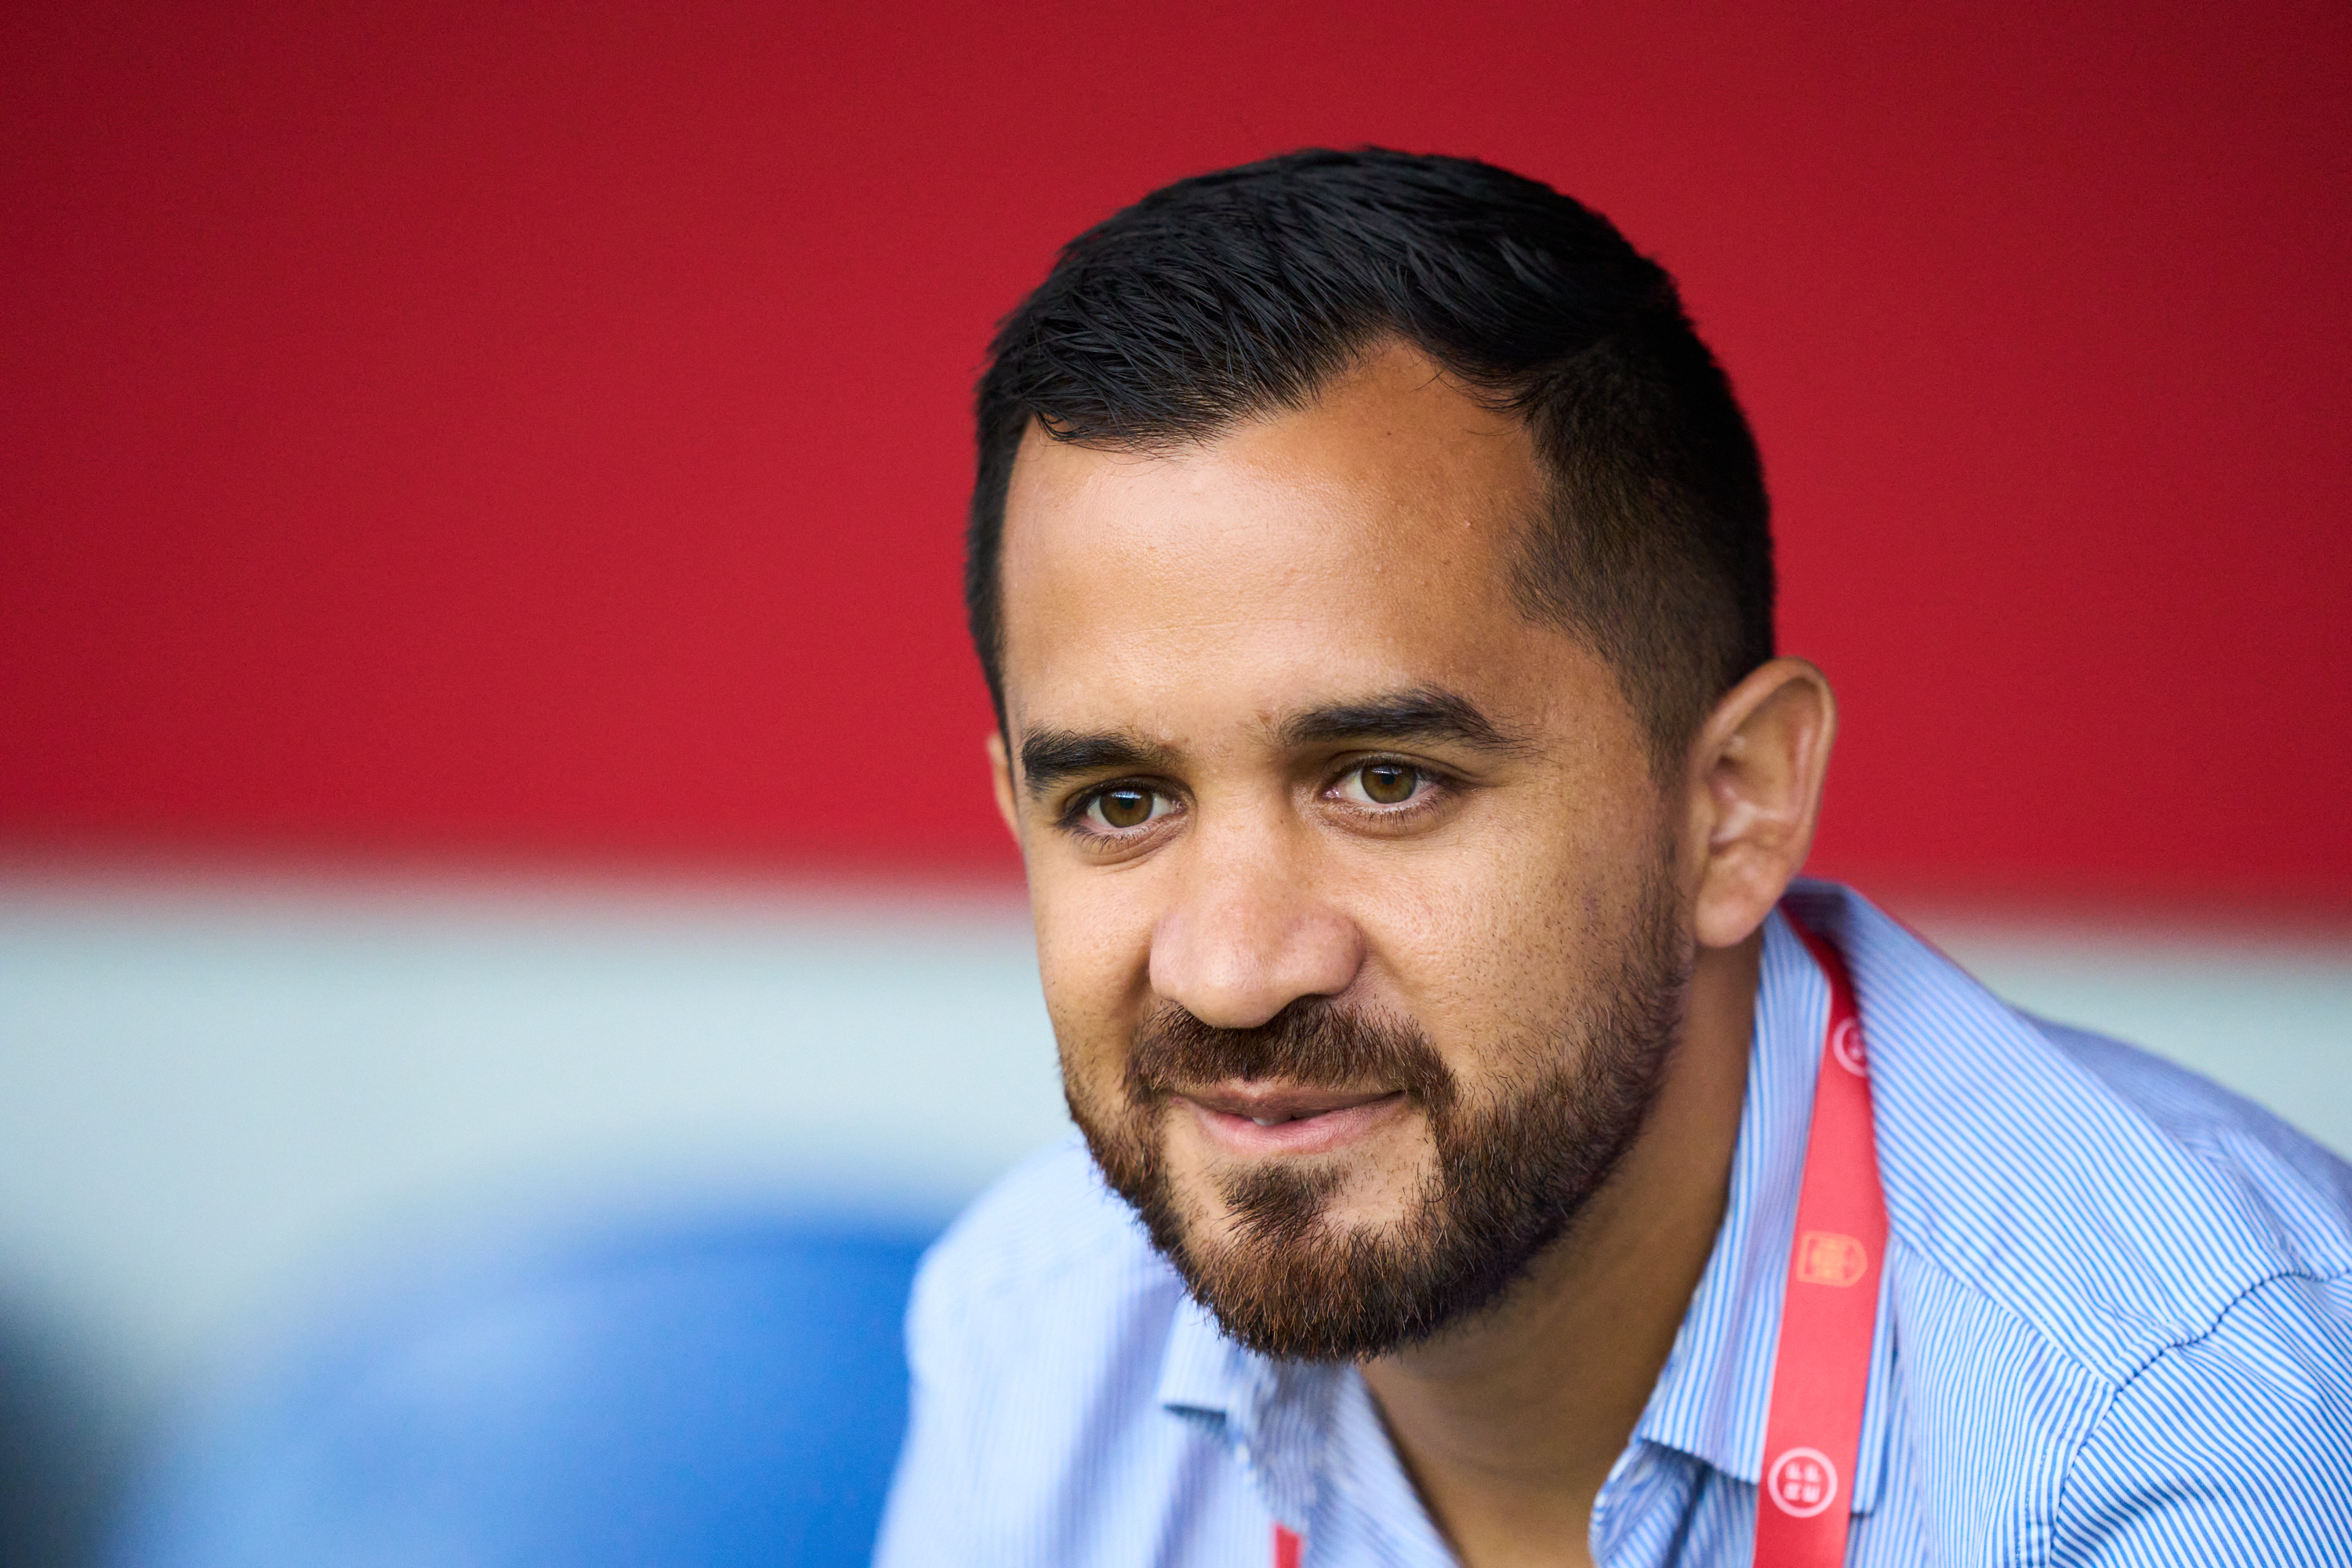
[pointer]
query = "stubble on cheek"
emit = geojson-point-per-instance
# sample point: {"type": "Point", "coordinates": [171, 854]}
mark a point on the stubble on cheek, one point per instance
{"type": "Point", "coordinates": [1093, 1088]}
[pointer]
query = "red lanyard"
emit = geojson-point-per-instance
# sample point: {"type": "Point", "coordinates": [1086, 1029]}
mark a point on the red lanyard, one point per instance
{"type": "Point", "coordinates": [1828, 1312]}
{"type": "Point", "coordinates": [1830, 1308]}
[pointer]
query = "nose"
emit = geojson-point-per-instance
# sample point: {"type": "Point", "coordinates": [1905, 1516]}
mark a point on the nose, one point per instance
{"type": "Point", "coordinates": [1247, 936]}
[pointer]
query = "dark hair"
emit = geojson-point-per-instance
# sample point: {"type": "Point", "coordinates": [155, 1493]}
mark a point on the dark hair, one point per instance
{"type": "Point", "coordinates": [1248, 290]}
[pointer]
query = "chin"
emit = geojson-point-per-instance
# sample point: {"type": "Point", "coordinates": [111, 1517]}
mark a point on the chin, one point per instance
{"type": "Point", "coordinates": [1226, 1207]}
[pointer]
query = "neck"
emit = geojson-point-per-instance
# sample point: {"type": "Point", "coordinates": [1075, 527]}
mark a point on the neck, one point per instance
{"type": "Point", "coordinates": [1509, 1424]}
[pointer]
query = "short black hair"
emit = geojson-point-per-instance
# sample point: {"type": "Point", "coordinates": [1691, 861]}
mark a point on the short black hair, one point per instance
{"type": "Point", "coordinates": [1248, 290]}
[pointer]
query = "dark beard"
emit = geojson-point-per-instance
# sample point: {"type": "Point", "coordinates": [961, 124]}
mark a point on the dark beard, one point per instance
{"type": "Point", "coordinates": [1509, 1178]}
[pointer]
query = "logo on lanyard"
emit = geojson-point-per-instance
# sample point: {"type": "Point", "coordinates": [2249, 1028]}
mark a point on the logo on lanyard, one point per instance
{"type": "Point", "coordinates": [1802, 1482]}
{"type": "Point", "coordinates": [1826, 1257]}
{"type": "Point", "coordinates": [1845, 1043]}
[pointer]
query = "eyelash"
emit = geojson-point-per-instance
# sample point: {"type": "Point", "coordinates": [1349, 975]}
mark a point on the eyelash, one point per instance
{"type": "Point", "coordinates": [1435, 787]}
{"type": "Point", "coordinates": [1074, 820]}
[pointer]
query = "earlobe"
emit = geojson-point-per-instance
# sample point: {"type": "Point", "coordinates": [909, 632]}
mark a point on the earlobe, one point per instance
{"type": "Point", "coordinates": [1759, 771]}
{"type": "Point", "coordinates": [1000, 769]}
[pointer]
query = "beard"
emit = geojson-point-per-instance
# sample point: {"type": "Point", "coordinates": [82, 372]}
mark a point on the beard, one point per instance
{"type": "Point", "coordinates": [1511, 1172]}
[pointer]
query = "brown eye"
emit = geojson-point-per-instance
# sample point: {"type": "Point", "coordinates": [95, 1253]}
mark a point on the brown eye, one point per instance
{"type": "Point", "coordinates": [1388, 783]}
{"type": "Point", "coordinates": [1124, 807]}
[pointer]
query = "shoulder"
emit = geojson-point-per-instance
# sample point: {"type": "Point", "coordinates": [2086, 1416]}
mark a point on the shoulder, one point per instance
{"type": "Point", "coordinates": [2232, 1441]}
{"type": "Point", "coordinates": [2306, 1191]}
{"type": "Point", "coordinates": [2114, 1204]}
{"type": "Point", "coordinates": [1047, 1240]}
{"type": "Point", "coordinates": [2233, 1446]}
{"type": "Point", "coordinates": [1037, 1336]}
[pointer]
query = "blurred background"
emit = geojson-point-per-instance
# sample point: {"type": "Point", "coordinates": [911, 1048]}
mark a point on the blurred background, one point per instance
{"type": "Point", "coordinates": [488, 750]}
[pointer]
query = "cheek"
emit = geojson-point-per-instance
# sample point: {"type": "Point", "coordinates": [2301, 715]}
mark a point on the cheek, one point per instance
{"type": "Point", "coordinates": [1491, 944]}
{"type": "Point", "coordinates": [1094, 955]}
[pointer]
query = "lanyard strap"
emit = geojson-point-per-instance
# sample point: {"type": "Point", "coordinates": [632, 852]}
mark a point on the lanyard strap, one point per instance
{"type": "Point", "coordinates": [1829, 1308]}
{"type": "Point", "coordinates": [1828, 1311]}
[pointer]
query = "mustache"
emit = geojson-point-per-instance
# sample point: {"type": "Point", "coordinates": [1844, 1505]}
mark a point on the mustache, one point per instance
{"type": "Point", "coordinates": [1312, 1042]}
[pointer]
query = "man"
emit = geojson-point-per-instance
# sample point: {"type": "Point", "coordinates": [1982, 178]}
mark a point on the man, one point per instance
{"type": "Point", "coordinates": [1482, 1162]}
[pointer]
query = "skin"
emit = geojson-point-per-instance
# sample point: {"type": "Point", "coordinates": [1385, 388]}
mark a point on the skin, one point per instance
{"type": "Point", "coordinates": [1193, 603]}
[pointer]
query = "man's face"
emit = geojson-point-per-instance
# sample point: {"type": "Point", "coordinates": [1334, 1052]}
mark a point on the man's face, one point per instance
{"type": "Point", "coordinates": [1354, 892]}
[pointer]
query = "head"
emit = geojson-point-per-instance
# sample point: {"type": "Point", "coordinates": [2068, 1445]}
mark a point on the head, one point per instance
{"type": "Point", "coordinates": [1372, 574]}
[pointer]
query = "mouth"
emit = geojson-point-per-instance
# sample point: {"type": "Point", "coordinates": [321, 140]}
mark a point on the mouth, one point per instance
{"type": "Point", "coordinates": [1256, 1118]}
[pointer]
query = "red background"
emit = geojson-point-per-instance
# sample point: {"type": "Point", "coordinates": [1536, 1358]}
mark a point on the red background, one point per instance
{"type": "Point", "coordinates": [541, 431]}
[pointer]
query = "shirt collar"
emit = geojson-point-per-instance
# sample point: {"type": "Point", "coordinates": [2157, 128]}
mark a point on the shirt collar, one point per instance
{"type": "Point", "coordinates": [1269, 1414]}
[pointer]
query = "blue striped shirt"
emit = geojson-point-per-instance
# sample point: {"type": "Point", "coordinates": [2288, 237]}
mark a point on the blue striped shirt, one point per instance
{"type": "Point", "coordinates": [2115, 1328]}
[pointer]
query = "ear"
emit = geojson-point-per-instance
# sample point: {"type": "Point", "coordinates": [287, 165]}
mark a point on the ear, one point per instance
{"type": "Point", "coordinates": [1000, 770]}
{"type": "Point", "coordinates": [1757, 773]}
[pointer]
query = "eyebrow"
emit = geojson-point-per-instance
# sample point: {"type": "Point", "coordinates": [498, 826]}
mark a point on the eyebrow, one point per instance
{"type": "Point", "coordinates": [1050, 756]}
{"type": "Point", "coordinates": [1423, 713]}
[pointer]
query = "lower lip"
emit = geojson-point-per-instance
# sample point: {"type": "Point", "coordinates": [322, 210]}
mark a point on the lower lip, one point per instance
{"type": "Point", "coordinates": [1300, 1135]}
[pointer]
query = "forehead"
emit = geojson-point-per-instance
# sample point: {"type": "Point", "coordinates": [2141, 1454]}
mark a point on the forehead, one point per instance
{"type": "Point", "coordinates": [1362, 544]}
